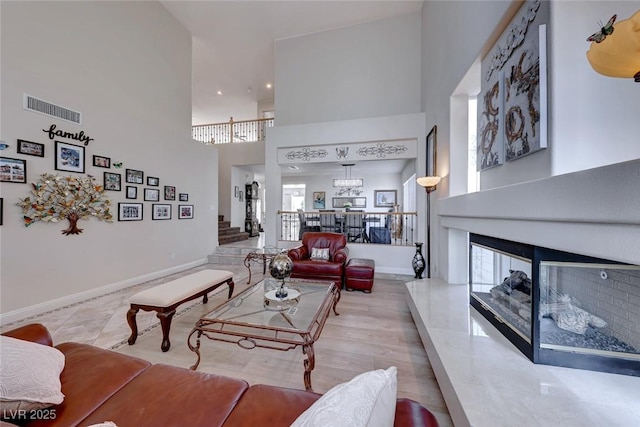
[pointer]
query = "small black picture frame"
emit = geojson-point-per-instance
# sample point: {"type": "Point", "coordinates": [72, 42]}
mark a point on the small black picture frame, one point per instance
{"type": "Point", "coordinates": [169, 192]}
{"type": "Point", "coordinates": [30, 148]}
{"type": "Point", "coordinates": [134, 176]}
{"type": "Point", "coordinates": [69, 157]}
{"type": "Point", "coordinates": [153, 181]}
{"type": "Point", "coordinates": [132, 192]}
{"type": "Point", "coordinates": [112, 181]}
{"type": "Point", "coordinates": [161, 211]}
{"type": "Point", "coordinates": [185, 211]}
{"type": "Point", "coordinates": [129, 211]}
{"type": "Point", "coordinates": [183, 197]}
{"type": "Point", "coordinates": [1, 209]}
{"type": "Point", "coordinates": [151, 195]}
{"type": "Point", "coordinates": [101, 162]}
{"type": "Point", "coordinates": [13, 170]}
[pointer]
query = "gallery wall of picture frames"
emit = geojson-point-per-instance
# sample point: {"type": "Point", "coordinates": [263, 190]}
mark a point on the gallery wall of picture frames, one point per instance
{"type": "Point", "coordinates": [71, 158]}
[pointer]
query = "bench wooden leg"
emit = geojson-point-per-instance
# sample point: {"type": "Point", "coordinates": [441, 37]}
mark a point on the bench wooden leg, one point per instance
{"type": "Point", "coordinates": [165, 322]}
{"type": "Point", "coordinates": [231, 286]}
{"type": "Point", "coordinates": [133, 324]}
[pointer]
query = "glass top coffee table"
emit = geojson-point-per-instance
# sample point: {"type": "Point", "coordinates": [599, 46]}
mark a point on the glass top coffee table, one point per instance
{"type": "Point", "coordinates": [261, 256]}
{"type": "Point", "coordinates": [256, 318]}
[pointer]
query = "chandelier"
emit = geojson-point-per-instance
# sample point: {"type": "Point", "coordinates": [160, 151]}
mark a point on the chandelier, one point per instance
{"type": "Point", "coordinates": [348, 186]}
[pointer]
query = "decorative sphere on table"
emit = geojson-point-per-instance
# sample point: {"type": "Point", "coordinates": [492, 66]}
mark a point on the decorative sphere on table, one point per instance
{"type": "Point", "coordinates": [280, 268]}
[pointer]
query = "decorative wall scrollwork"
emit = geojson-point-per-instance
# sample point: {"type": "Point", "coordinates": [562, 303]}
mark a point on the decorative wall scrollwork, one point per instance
{"type": "Point", "coordinates": [307, 154]}
{"type": "Point", "coordinates": [381, 150]}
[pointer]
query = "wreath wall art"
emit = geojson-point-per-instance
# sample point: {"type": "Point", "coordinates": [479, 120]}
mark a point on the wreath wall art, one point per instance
{"type": "Point", "coordinates": [512, 102]}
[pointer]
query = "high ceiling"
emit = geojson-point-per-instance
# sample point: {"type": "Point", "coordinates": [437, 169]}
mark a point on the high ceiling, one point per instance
{"type": "Point", "coordinates": [233, 44]}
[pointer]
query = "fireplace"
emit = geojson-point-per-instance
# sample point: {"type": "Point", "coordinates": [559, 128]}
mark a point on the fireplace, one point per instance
{"type": "Point", "coordinates": [558, 308]}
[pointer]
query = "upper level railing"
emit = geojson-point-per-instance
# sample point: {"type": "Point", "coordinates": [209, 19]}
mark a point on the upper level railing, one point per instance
{"type": "Point", "coordinates": [232, 131]}
{"type": "Point", "coordinates": [390, 228]}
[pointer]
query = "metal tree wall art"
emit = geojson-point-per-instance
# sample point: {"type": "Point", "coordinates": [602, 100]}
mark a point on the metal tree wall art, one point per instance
{"type": "Point", "coordinates": [65, 197]}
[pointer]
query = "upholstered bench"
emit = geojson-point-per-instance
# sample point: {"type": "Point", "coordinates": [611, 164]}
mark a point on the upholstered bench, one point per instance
{"type": "Point", "coordinates": [359, 274]}
{"type": "Point", "coordinates": [167, 297]}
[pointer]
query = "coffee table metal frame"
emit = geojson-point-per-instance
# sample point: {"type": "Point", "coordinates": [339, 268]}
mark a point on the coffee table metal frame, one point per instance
{"type": "Point", "coordinates": [249, 335]}
{"type": "Point", "coordinates": [263, 256]}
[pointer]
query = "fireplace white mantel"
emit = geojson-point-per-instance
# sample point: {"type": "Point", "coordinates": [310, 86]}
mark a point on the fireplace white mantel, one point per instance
{"type": "Point", "coordinates": [487, 382]}
{"type": "Point", "coordinates": [594, 212]}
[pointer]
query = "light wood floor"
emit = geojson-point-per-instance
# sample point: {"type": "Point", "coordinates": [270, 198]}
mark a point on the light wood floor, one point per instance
{"type": "Point", "coordinates": [373, 331]}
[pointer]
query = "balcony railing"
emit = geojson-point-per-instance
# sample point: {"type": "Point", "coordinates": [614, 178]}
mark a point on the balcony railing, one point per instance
{"type": "Point", "coordinates": [389, 228]}
{"type": "Point", "coordinates": [232, 131]}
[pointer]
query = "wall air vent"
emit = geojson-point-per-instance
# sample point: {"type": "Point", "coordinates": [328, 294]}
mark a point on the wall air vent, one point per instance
{"type": "Point", "coordinates": [49, 109]}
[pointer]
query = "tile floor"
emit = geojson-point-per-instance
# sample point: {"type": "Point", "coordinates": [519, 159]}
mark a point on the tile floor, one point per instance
{"type": "Point", "coordinates": [99, 321]}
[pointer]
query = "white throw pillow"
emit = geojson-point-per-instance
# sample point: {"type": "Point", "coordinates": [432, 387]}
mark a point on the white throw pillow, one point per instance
{"type": "Point", "coordinates": [320, 254]}
{"type": "Point", "coordinates": [367, 400]}
{"type": "Point", "coordinates": [29, 375]}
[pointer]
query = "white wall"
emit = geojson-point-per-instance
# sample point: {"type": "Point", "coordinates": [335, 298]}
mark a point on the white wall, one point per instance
{"type": "Point", "coordinates": [366, 70]}
{"type": "Point", "coordinates": [127, 67]}
{"type": "Point", "coordinates": [371, 129]}
{"type": "Point", "coordinates": [583, 133]}
{"type": "Point", "coordinates": [593, 212]}
{"type": "Point", "coordinates": [380, 181]}
{"type": "Point", "coordinates": [453, 35]}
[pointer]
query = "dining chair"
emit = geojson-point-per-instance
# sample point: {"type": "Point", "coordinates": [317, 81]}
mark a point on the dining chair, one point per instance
{"type": "Point", "coordinates": [328, 221]}
{"type": "Point", "coordinates": [303, 225]}
{"type": "Point", "coordinates": [354, 227]}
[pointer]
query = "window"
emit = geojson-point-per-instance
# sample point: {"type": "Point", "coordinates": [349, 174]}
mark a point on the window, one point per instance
{"type": "Point", "coordinates": [473, 175]}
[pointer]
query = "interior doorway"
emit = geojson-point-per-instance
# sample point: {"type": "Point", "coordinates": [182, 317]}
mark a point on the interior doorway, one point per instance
{"type": "Point", "coordinates": [293, 197]}
{"type": "Point", "coordinates": [292, 200]}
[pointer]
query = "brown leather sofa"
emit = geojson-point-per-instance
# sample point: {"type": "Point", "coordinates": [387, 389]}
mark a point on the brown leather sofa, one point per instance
{"type": "Point", "coordinates": [333, 269]}
{"type": "Point", "coordinates": [101, 385]}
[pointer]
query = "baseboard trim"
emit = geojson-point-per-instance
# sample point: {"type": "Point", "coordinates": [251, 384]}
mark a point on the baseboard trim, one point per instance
{"type": "Point", "coordinates": [37, 309]}
{"type": "Point", "coordinates": [392, 270]}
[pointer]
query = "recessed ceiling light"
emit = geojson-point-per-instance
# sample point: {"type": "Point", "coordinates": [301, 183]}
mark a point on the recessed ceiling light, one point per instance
{"type": "Point", "coordinates": [219, 92]}
{"type": "Point", "coordinates": [294, 167]}
{"type": "Point", "coordinates": [268, 85]}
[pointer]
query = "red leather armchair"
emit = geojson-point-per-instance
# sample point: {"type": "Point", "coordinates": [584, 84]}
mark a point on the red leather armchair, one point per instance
{"type": "Point", "coordinates": [332, 269]}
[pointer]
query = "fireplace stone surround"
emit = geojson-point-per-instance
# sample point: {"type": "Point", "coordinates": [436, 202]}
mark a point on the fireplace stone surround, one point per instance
{"type": "Point", "coordinates": [594, 212]}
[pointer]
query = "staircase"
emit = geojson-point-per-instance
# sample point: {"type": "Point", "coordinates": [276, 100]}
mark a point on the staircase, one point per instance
{"type": "Point", "coordinates": [228, 234]}
{"type": "Point", "coordinates": [229, 255]}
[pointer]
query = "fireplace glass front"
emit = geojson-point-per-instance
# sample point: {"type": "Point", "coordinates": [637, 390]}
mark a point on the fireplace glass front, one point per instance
{"type": "Point", "coordinates": [501, 285]}
{"type": "Point", "coordinates": [590, 308]}
{"type": "Point", "coordinates": [558, 308]}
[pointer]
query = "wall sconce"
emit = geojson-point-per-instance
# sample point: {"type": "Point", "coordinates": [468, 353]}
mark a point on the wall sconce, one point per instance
{"type": "Point", "coordinates": [618, 53]}
{"type": "Point", "coordinates": [429, 183]}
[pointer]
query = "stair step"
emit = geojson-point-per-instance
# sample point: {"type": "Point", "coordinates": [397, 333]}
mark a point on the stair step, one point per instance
{"type": "Point", "coordinates": [226, 258]}
{"type": "Point", "coordinates": [233, 250]}
{"type": "Point", "coordinates": [229, 238]}
{"type": "Point", "coordinates": [220, 217]}
{"type": "Point", "coordinates": [224, 224]}
{"type": "Point", "coordinates": [229, 231]}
